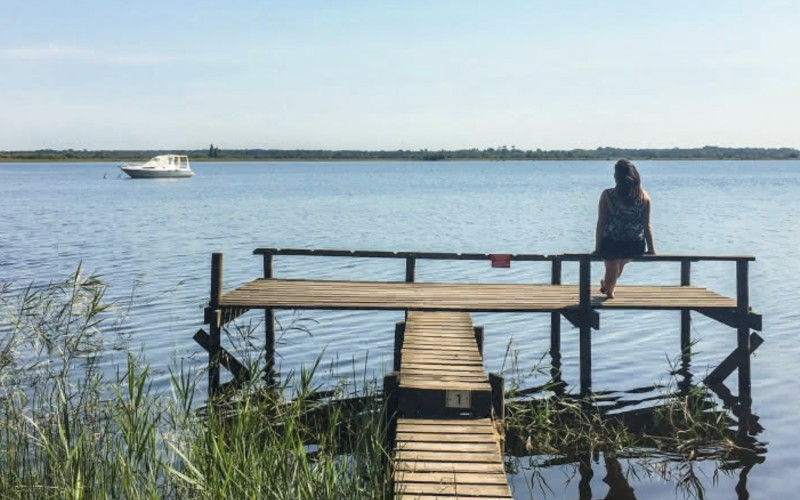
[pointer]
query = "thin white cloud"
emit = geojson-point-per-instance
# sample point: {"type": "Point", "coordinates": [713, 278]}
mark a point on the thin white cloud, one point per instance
{"type": "Point", "coordinates": [52, 52]}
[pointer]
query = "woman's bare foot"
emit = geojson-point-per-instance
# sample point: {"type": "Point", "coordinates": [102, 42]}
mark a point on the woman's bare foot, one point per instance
{"type": "Point", "coordinates": [603, 287]}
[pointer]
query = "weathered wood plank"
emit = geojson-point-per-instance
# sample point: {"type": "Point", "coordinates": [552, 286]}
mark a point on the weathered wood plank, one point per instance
{"type": "Point", "coordinates": [440, 456]}
{"type": "Point", "coordinates": [448, 447]}
{"type": "Point", "coordinates": [412, 496]}
{"type": "Point", "coordinates": [324, 294]}
{"type": "Point", "coordinates": [450, 428]}
{"type": "Point", "coordinates": [440, 437]}
{"type": "Point", "coordinates": [452, 489]}
{"type": "Point", "coordinates": [410, 375]}
{"type": "Point", "coordinates": [443, 372]}
{"type": "Point", "coordinates": [476, 422]}
{"type": "Point", "coordinates": [414, 383]}
{"type": "Point", "coordinates": [412, 466]}
{"type": "Point", "coordinates": [455, 477]}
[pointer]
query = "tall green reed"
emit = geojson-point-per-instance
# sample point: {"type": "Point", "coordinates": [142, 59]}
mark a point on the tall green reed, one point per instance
{"type": "Point", "coordinates": [70, 431]}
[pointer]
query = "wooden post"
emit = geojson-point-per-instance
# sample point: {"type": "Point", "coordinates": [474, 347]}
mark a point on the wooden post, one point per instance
{"type": "Point", "coordinates": [269, 329]}
{"type": "Point", "coordinates": [743, 333]}
{"type": "Point", "coordinates": [686, 325]}
{"type": "Point", "coordinates": [411, 264]}
{"type": "Point", "coordinates": [214, 345]}
{"type": "Point", "coordinates": [498, 384]}
{"type": "Point", "coordinates": [585, 309]}
{"type": "Point", "coordinates": [410, 269]}
{"type": "Point", "coordinates": [555, 319]}
{"type": "Point", "coordinates": [479, 338]}
{"type": "Point", "coordinates": [399, 338]}
{"type": "Point", "coordinates": [586, 473]}
{"type": "Point", "coordinates": [391, 389]}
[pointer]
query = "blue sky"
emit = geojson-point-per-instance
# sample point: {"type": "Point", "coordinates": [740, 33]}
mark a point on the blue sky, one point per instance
{"type": "Point", "coordinates": [398, 75]}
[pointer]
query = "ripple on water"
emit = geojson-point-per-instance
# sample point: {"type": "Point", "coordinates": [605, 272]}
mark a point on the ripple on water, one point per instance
{"type": "Point", "coordinates": [152, 242]}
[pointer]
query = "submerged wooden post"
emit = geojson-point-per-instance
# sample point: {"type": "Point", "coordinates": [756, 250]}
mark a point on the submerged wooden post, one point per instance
{"type": "Point", "coordinates": [686, 325]}
{"type": "Point", "coordinates": [743, 332]}
{"type": "Point", "coordinates": [586, 473]}
{"type": "Point", "coordinates": [214, 344]}
{"type": "Point", "coordinates": [269, 328]}
{"type": "Point", "coordinates": [399, 337]}
{"type": "Point", "coordinates": [479, 338]}
{"type": "Point", "coordinates": [585, 310]}
{"type": "Point", "coordinates": [498, 384]}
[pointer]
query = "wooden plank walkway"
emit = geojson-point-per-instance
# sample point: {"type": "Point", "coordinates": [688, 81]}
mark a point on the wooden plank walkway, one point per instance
{"type": "Point", "coordinates": [441, 369]}
{"type": "Point", "coordinates": [440, 353]}
{"type": "Point", "coordinates": [469, 297]}
{"type": "Point", "coordinates": [449, 459]}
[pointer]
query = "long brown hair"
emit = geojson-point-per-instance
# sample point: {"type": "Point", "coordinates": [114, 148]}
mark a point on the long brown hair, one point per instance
{"type": "Point", "coordinates": [629, 184]}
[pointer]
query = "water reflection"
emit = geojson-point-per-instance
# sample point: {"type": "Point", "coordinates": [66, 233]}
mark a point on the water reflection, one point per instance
{"type": "Point", "coordinates": [664, 444]}
{"type": "Point", "coordinates": [622, 472]}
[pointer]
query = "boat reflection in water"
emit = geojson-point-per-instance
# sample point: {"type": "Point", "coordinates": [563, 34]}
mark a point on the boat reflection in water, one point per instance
{"type": "Point", "coordinates": [163, 166]}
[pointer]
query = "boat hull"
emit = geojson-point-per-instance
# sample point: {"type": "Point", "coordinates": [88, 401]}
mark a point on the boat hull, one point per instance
{"type": "Point", "coordinates": [138, 173]}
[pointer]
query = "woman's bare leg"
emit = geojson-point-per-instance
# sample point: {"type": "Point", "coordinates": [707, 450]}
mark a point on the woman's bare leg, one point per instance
{"type": "Point", "coordinates": [621, 263]}
{"type": "Point", "coordinates": [613, 271]}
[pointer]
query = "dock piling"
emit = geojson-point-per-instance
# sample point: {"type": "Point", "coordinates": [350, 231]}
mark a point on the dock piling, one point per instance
{"type": "Point", "coordinates": [391, 388]}
{"type": "Point", "coordinates": [269, 328]}
{"type": "Point", "coordinates": [743, 335]}
{"type": "Point", "coordinates": [214, 344]}
{"type": "Point", "coordinates": [585, 312]}
{"type": "Point", "coordinates": [399, 335]}
{"type": "Point", "coordinates": [686, 320]}
{"type": "Point", "coordinates": [555, 320]}
{"type": "Point", "coordinates": [479, 338]}
{"type": "Point", "coordinates": [498, 383]}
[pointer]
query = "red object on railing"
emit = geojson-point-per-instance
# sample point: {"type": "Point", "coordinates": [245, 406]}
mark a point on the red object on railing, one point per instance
{"type": "Point", "coordinates": [501, 260]}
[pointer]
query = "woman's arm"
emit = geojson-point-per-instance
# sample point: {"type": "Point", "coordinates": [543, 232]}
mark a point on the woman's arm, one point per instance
{"type": "Point", "coordinates": [648, 229]}
{"type": "Point", "coordinates": [602, 215]}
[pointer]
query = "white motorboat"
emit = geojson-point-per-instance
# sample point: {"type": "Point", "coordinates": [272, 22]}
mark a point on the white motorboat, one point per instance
{"type": "Point", "coordinates": [159, 166]}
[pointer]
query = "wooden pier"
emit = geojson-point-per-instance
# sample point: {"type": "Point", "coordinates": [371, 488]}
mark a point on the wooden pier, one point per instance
{"type": "Point", "coordinates": [449, 411]}
{"type": "Point", "coordinates": [448, 442]}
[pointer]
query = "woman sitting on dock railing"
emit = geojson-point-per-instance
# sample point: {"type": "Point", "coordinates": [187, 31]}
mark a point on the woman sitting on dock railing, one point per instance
{"type": "Point", "coordinates": [623, 224]}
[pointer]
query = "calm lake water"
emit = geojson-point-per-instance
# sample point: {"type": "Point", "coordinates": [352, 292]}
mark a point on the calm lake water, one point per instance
{"type": "Point", "coordinates": [152, 241]}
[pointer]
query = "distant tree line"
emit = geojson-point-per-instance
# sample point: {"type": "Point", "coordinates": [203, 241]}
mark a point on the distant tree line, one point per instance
{"type": "Point", "coordinates": [213, 152]}
{"type": "Point", "coordinates": [498, 153]}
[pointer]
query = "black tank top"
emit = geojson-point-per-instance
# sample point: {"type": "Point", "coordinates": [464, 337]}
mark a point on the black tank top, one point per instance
{"type": "Point", "coordinates": [625, 222]}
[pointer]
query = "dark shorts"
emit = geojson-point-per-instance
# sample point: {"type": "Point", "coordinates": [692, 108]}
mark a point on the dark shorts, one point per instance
{"type": "Point", "coordinates": [619, 249]}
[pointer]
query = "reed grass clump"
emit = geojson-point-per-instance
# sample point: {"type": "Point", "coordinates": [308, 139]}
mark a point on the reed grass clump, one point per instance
{"type": "Point", "coordinates": [71, 430]}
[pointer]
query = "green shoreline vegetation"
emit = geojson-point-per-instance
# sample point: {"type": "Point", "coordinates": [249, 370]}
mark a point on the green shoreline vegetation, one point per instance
{"type": "Point", "coordinates": [500, 153]}
{"type": "Point", "coordinates": [68, 430]}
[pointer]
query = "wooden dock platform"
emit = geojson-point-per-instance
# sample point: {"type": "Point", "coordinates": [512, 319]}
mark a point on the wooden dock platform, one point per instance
{"type": "Point", "coordinates": [442, 374]}
{"type": "Point", "coordinates": [435, 363]}
{"type": "Point", "coordinates": [468, 297]}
